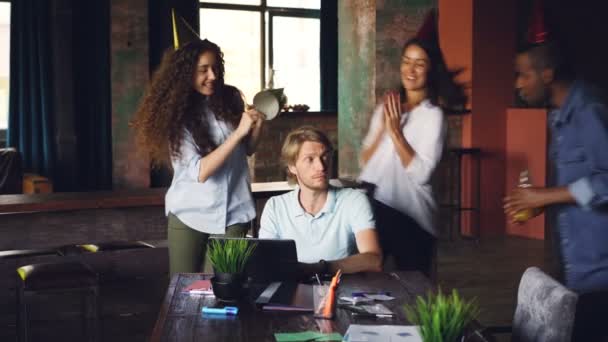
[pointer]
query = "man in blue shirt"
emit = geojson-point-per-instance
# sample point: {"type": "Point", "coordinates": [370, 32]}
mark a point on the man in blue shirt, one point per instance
{"type": "Point", "coordinates": [332, 228]}
{"type": "Point", "coordinates": [579, 152]}
{"type": "Point", "coordinates": [579, 196]}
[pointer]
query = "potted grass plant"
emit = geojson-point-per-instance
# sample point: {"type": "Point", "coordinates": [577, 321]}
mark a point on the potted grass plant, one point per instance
{"type": "Point", "coordinates": [442, 318]}
{"type": "Point", "coordinates": [229, 258]}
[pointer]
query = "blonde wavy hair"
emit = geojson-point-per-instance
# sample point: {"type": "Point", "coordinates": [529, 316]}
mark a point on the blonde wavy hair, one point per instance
{"type": "Point", "coordinates": [293, 144]}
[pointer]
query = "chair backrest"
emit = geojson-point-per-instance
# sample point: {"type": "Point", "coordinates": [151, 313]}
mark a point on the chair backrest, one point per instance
{"type": "Point", "coordinates": [11, 172]}
{"type": "Point", "coordinates": [545, 309]}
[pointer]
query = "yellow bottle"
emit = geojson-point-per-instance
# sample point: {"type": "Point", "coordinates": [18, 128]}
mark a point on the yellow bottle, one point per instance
{"type": "Point", "coordinates": [524, 182]}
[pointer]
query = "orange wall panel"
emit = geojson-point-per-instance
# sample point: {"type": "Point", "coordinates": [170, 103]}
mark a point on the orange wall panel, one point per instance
{"type": "Point", "coordinates": [480, 36]}
{"type": "Point", "coordinates": [456, 37]}
{"type": "Point", "coordinates": [526, 148]}
{"type": "Point", "coordinates": [492, 86]}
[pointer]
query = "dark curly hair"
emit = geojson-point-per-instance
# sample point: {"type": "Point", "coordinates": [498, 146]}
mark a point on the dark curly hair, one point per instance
{"type": "Point", "coordinates": [442, 90]}
{"type": "Point", "coordinates": [171, 106]}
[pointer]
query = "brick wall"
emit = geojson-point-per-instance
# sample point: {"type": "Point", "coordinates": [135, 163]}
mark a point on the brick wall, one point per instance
{"type": "Point", "coordinates": [265, 164]}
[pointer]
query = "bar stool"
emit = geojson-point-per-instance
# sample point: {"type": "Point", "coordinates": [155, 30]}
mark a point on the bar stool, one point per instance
{"type": "Point", "coordinates": [12, 259]}
{"type": "Point", "coordinates": [455, 194]}
{"type": "Point", "coordinates": [24, 253]}
{"type": "Point", "coordinates": [63, 278]}
{"type": "Point", "coordinates": [103, 247]}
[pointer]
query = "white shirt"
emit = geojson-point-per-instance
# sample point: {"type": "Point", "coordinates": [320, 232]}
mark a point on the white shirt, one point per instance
{"type": "Point", "coordinates": [221, 200]}
{"type": "Point", "coordinates": [328, 235]}
{"type": "Point", "coordinates": [408, 189]}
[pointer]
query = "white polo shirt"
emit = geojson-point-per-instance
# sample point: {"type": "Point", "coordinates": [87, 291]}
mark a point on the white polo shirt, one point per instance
{"type": "Point", "coordinates": [224, 198]}
{"type": "Point", "coordinates": [408, 189]}
{"type": "Point", "coordinates": [328, 235]}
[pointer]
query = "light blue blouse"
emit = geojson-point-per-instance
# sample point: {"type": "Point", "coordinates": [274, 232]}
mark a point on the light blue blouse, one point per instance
{"type": "Point", "coordinates": [224, 198]}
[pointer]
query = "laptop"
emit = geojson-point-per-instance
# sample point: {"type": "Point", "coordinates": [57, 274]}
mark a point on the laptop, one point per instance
{"type": "Point", "coordinates": [272, 260]}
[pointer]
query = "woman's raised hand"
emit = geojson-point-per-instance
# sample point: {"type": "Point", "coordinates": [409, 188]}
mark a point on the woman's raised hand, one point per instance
{"type": "Point", "coordinates": [245, 125]}
{"type": "Point", "coordinates": [258, 117]}
{"type": "Point", "coordinates": [392, 113]}
{"type": "Point", "coordinates": [250, 119]}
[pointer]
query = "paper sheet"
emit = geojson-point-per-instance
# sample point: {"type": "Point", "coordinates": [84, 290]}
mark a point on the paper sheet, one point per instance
{"type": "Point", "coordinates": [307, 336]}
{"type": "Point", "coordinates": [382, 333]}
{"type": "Point", "coordinates": [381, 297]}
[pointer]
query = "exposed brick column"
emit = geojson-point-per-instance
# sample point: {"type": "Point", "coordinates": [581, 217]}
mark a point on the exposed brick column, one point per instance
{"type": "Point", "coordinates": [371, 34]}
{"type": "Point", "coordinates": [129, 77]}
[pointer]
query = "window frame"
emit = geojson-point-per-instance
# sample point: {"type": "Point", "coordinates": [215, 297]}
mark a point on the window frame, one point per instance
{"type": "Point", "coordinates": [271, 15]}
{"type": "Point", "coordinates": [4, 131]}
{"type": "Point", "coordinates": [272, 11]}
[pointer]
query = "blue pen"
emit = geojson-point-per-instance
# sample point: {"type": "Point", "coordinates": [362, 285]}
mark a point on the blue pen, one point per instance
{"type": "Point", "coordinates": [228, 310]}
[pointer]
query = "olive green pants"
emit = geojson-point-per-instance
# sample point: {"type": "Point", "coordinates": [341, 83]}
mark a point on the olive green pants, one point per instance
{"type": "Point", "coordinates": [188, 247]}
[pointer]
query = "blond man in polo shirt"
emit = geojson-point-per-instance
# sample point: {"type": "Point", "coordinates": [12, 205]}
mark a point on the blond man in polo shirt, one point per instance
{"type": "Point", "coordinates": [333, 228]}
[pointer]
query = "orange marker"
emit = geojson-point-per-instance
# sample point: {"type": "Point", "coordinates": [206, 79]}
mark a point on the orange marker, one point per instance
{"type": "Point", "coordinates": [331, 295]}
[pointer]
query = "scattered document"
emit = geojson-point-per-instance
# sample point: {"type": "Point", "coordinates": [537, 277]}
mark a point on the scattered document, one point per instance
{"type": "Point", "coordinates": [380, 297]}
{"type": "Point", "coordinates": [382, 333]}
{"type": "Point", "coordinates": [356, 300]}
{"type": "Point", "coordinates": [307, 336]}
{"type": "Point", "coordinates": [201, 287]}
{"type": "Point", "coordinates": [377, 309]}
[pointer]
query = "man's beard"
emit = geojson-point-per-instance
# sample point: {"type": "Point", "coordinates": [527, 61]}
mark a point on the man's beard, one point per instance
{"type": "Point", "coordinates": [543, 101]}
{"type": "Point", "coordinates": [315, 186]}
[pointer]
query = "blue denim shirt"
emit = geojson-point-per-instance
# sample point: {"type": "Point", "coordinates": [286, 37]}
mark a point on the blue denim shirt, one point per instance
{"type": "Point", "coordinates": [579, 151]}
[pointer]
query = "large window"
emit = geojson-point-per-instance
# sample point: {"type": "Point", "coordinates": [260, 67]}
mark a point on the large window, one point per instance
{"type": "Point", "coordinates": [5, 34]}
{"type": "Point", "coordinates": [268, 43]}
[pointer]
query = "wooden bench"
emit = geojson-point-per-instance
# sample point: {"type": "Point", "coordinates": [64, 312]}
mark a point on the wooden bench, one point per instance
{"type": "Point", "coordinates": [50, 220]}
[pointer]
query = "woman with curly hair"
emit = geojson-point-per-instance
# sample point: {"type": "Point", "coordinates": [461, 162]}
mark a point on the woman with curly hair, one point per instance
{"type": "Point", "coordinates": [192, 120]}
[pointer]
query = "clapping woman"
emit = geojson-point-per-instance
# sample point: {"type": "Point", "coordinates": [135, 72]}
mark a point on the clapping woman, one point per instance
{"type": "Point", "coordinates": [401, 151]}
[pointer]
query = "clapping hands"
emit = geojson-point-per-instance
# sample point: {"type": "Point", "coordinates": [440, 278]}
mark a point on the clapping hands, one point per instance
{"type": "Point", "coordinates": [392, 113]}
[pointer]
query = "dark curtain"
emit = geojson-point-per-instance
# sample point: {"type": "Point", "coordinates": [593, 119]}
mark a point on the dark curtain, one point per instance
{"type": "Point", "coordinates": [161, 31]}
{"type": "Point", "coordinates": [92, 98]}
{"type": "Point", "coordinates": [329, 55]}
{"type": "Point", "coordinates": [30, 122]}
{"type": "Point", "coordinates": [33, 125]}
{"type": "Point", "coordinates": [11, 174]}
{"type": "Point", "coordinates": [580, 28]}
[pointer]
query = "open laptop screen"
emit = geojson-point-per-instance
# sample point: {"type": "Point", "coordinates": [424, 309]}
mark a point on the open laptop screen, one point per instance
{"type": "Point", "coordinates": [272, 260]}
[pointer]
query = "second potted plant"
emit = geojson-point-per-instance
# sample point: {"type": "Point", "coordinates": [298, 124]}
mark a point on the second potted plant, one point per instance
{"type": "Point", "coordinates": [229, 258]}
{"type": "Point", "coordinates": [442, 318]}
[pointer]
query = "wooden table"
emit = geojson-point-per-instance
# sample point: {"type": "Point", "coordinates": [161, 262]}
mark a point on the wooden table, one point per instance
{"type": "Point", "coordinates": [180, 317]}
